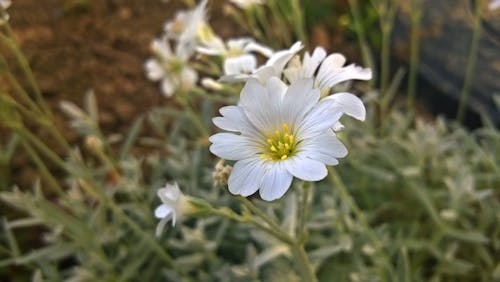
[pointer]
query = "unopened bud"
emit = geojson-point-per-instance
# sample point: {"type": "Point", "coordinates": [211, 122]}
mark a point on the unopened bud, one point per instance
{"type": "Point", "coordinates": [221, 173]}
{"type": "Point", "coordinates": [211, 84]}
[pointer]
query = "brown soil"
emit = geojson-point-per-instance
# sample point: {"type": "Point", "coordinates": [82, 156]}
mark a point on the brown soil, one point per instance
{"type": "Point", "coordinates": [74, 47]}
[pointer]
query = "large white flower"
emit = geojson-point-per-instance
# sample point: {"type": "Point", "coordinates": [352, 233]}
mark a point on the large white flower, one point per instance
{"type": "Point", "coordinates": [278, 132]}
{"type": "Point", "coordinates": [170, 68]}
{"type": "Point", "coordinates": [237, 54]}
{"type": "Point", "coordinates": [330, 70]}
{"type": "Point", "coordinates": [273, 67]}
{"type": "Point", "coordinates": [174, 205]}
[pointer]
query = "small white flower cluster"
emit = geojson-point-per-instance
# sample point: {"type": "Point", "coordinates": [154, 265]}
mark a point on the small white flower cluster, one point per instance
{"type": "Point", "coordinates": [4, 16]}
{"type": "Point", "coordinates": [284, 125]}
{"type": "Point", "coordinates": [191, 34]}
{"type": "Point", "coordinates": [171, 67]}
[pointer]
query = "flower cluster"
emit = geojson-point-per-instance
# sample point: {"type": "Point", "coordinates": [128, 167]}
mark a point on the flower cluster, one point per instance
{"type": "Point", "coordinates": [171, 67]}
{"type": "Point", "coordinates": [189, 34]}
{"type": "Point", "coordinates": [280, 130]}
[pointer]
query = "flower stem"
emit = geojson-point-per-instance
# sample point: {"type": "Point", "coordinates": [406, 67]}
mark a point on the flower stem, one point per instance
{"type": "Point", "coordinates": [305, 205]}
{"type": "Point", "coordinates": [302, 260]}
{"type": "Point", "coordinates": [471, 62]}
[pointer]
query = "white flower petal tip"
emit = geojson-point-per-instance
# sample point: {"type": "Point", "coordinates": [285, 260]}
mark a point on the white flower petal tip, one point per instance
{"type": "Point", "coordinates": [349, 104]}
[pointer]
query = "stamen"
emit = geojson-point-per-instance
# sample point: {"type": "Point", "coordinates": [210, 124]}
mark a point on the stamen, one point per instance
{"type": "Point", "coordinates": [280, 146]}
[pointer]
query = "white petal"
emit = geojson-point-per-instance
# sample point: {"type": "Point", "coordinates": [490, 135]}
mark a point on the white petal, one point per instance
{"type": "Point", "coordinates": [263, 73]}
{"type": "Point", "coordinates": [279, 59]}
{"type": "Point", "coordinates": [256, 102]}
{"type": "Point", "coordinates": [246, 176]}
{"type": "Point", "coordinates": [235, 78]}
{"type": "Point", "coordinates": [276, 182]}
{"type": "Point", "coordinates": [330, 76]}
{"type": "Point", "coordinates": [232, 147]}
{"type": "Point", "coordinates": [167, 87]}
{"type": "Point", "coordinates": [169, 194]}
{"type": "Point", "coordinates": [256, 47]}
{"type": "Point", "coordinates": [276, 90]}
{"type": "Point", "coordinates": [305, 168]}
{"type": "Point", "coordinates": [189, 77]}
{"type": "Point", "coordinates": [299, 99]}
{"type": "Point", "coordinates": [241, 64]}
{"type": "Point", "coordinates": [349, 104]}
{"type": "Point", "coordinates": [163, 211]}
{"type": "Point", "coordinates": [311, 63]}
{"type": "Point", "coordinates": [325, 148]}
{"type": "Point", "coordinates": [234, 119]}
{"type": "Point", "coordinates": [161, 226]}
{"type": "Point", "coordinates": [154, 71]}
{"type": "Point", "coordinates": [321, 117]}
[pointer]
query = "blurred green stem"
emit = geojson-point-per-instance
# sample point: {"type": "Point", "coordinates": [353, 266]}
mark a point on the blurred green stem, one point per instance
{"type": "Point", "coordinates": [300, 257]}
{"type": "Point", "coordinates": [416, 16]}
{"type": "Point", "coordinates": [298, 21]}
{"type": "Point", "coordinates": [360, 32]}
{"type": "Point", "coordinates": [347, 199]}
{"type": "Point", "coordinates": [305, 205]}
{"type": "Point", "coordinates": [9, 42]}
{"type": "Point", "coordinates": [471, 61]}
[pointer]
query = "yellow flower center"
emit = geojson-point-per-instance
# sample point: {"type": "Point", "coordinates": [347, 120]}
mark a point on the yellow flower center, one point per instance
{"type": "Point", "coordinates": [280, 145]}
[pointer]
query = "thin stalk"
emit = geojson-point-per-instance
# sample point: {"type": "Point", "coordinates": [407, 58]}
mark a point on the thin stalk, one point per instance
{"type": "Point", "coordinates": [153, 244]}
{"type": "Point", "coordinates": [363, 43]}
{"type": "Point", "coordinates": [416, 16]}
{"type": "Point", "coordinates": [44, 171]}
{"type": "Point", "coordinates": [23, 63]}
{"type": "Point", "coordinates": [264, 217]}
{"type": "Point", "coordinates": [305, 206]}
{"type": "Point", "coordinates": [387, 14]}
{"type": "Point", "coordinates": [347, 199]}
{"type": "Point", "coordinates": [23, 132]}
{"type": "Point", "coordinates": [303, 263]}
{"type": "Point", "coordinates": [23, 95]}
{"type": "Point", "coordinates": [298, 21]}
{"type": "Point", "coordinates": [193, 116]}
{"type": "Point", "coordinates": [471, 62]}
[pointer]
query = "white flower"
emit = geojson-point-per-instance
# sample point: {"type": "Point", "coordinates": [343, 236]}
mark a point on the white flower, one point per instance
{"type": "Point", "coordinates": [494, 4]}
{"type": "Point", "coordinates": [278, 132]}
{"type": "Point", "coordinates": [236, 53]}
{"type": "Point", "coordinates": [245, 4]}
{"type": "Point", "coordinates": [171, 69]}
{"type": "Point", "coordinates": [186, 26]}
{"type": "Point", "coordinates": [331, 70]}
{"type": "Point", "coordinates": [273, 67]}
{"type": "Point", "coordinates": [4, 5]}
{"type": "Point", "coordinates": [174, 205]}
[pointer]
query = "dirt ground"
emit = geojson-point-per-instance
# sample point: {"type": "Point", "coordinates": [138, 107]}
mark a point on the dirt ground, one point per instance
{"type": "Point", "coordinates": [75, 47]}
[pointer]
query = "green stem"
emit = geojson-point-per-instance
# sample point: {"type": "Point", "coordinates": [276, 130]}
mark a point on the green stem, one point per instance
{"type": "Point", "coordinates": [43, 168]}
{"type": "Point", "coordinates": [305, 205]}
{"type": "Point", "coordinates": [23, 132]}
{"type": "Point", "coordinates": [347, 199]}
{"type": "Point", "coordinates": [416, 16]}
{"type": "Point", "coordinates": [303, 263]}
{"type": "Point", "coordinates": [298, 21]}
{"type": "Point", "coordinates": [471, 62]}
{"type": "Point", "coordinates": [363, 43]}
{"type": "Point", "coordinates": [23, 63]}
